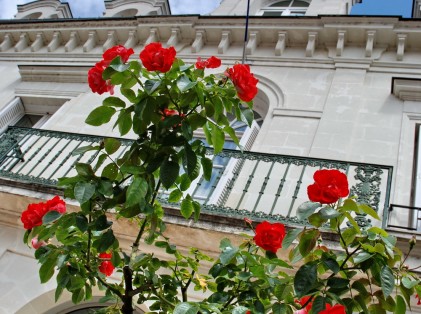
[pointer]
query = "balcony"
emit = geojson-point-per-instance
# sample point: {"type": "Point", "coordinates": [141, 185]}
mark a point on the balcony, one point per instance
{"type": "Point", "coordinates": [249, 184]}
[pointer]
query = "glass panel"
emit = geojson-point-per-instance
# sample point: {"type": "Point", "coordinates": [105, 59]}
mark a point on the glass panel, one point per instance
{"type": "Point", "coordinates": [28, 120]}
{"type": "Point", "coordinates": [281, 4]}
{"type": "Point", "coordinates": [299, 3]}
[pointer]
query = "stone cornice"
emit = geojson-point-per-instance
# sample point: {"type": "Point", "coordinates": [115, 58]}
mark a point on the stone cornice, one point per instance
{"type": "Point", "coordinates": [325, 39]}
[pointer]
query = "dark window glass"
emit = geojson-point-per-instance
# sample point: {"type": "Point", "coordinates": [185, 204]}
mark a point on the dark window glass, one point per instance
{"type": "Point", "coordinates": [28, 120]}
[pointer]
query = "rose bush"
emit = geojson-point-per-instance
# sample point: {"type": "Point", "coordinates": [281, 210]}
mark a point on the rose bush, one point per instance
{"type": "Point", "coordinates": [162, 101]}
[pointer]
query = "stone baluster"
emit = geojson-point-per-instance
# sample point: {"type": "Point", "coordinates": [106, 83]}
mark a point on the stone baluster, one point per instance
{"type": "Point", "coordinates": [22, 43]}
{"type": "Point", "coordinates": [7, 42]}
{"type": "Point", "coordinates": [401, 38]}
{"type": "Point", "coordinates": [311, 44]}
{"type": "Point", "coordinates": [175, 37]}
{"type": "Point", "coordinates": [371, 36]}
{"type": "Point", "coordinates": [91, 41]}
{"type": "Point", "coordinates": [341, 43]}
{"type": "Point", "coordinates": [281, 43]}
{"type": "Point", "coordinates": [153, 36]}
{"type": "Point", "coordinates": [253, 42]}
{"type": "Point", "coordinates": [132, 40]}
{"type": "Point", "coordinates": [111, 40]}
{"type": "Point", "coordinates": [55, 42]}
{"type": "Point", "coordinates": [38, 43]}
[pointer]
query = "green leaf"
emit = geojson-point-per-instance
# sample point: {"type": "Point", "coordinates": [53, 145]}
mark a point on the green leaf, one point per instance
{"type": "Point", "coordinates": [186, 308]}
{"type": "Point", "coordinates": [218, 138]}
{"type": "Point", "coordinates": [329, 213]}
{"type": "Point", "coordinates": [110, 171]}
{"type": "Point", "coordinates": [387, 280]}
{"type": "Point", "coordinates": [409, 283]}
{"type": "Point", "coordinates": [331, 264]}
{"type": "Point", "coordinates": [247, 116]}
{"type": "Point", "coordinates": [111, 145]}
{"type": "Point", "coordinates": [280, 308]}
{"type": "Point", "coordinates": [82, 223]}
{"type": "Point", "coordinates": [400, 305]}
{"type": "Point", "coordinates": [46, 270]}
{"type": "Point", "coordinates": [84, 149]}
{"type": "Point", "coordinates": [151, 86]}
{"type": "Point", "coordinates": [169, 173]}
{"type": "Point", "coordinates": [290, 237]}
{"type": "Point", "coordinates": [239, 310]}
{"type": "Point", "coordinates": [129, 94]}
{"type": "Point", "coordinates": [348, 236]}
{"type": "Point", "coordinates": [118, 65]}
{"type": "Point", "coordinates": [124, 122]}
{"type": "Point", "coordinates": [207, 167]}
{"type": "Point", "coordinates": [83, 191]}
{"type": "Point", "coordinates": [175, 196]}
{"type": "Point", "coordinates": [84, 170]}
{"type": "Point", "coordinates": [197, 207]}
{"type": "Point", "coordinates": [361, 257]}
{"type": "Point", "coordinates": [190, 161]}
{"type": "Point", "coordinates": [105, 188]}
{"type": "Point", "coordinates": [306, 209]}
{"type": "Point", "coordinates": [114, 102]}
{"type": "Point", "coordinates": [231, 132]}
{"type": "Point", "coordinates": [308, 240]}
{"type": "Point", "coordinates": [352, 222]}
{"type": "Point", "coordinates": [228, 251]}
{"type": "Point", "coordinates": [184, 83]}
{"type": "Point", "coordinates": [186, 207]}
{"type": "Point", "coordinates": [77, 296]}
{"type": "Point", "coordinates": [101, 223]}
{"type": "Point", "coordinates": [105, 241]}
{"type": "Point", "coordinates": [50, 217]}
{"type": "Point", "coordinates": [316, 220]}
{"type": "Point", "coordinates": [369, 211]}
{"type": "Point", "coordinates": [305, 278]}
{"type": "Point", "coordinates": [136, 191]}
{"type": "Point", "coordinates": [100, 116]}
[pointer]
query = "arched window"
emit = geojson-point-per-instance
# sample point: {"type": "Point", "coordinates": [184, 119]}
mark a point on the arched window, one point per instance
{"type": "Point", "coordinates": [286, 8]}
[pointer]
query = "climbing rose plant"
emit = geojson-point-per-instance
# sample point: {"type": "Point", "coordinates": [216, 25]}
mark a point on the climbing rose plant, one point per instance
{"type": "Point", "coordinates": [162, 101]}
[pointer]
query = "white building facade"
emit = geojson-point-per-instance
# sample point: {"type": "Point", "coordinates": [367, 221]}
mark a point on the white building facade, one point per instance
{"type": "Point", "coordinates": [331, 87]}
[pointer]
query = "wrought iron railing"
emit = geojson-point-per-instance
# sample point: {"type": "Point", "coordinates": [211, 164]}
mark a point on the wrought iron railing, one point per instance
{"type": "Point", "coordinates": [404, 218]}
{"type": "Point", "coordinates": [256, 185]}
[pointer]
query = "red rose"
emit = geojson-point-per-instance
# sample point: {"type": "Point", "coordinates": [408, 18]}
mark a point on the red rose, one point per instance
{"type": "Point", "coordinates": [95, 80]}
{"type": "Point", "coordinates": [156, 58]}
{"type": "Point", "coordinates": [328, 186]}
{"type": "Point", "coordinates": [170, 112]}
{"type": "Point", "coordinates": [244, 81]}
{"type": "Point", "coordinates": [106, 267]}
{"type": "Point", "coordinates": [329, 309]}
{"type": "Point", "coordinates": [269, 236]}
{"type": "Point", "coordinates": [211, 63]}
{"type": "Point", "coordinates": [56, 204]}
{"type": "Point", "coordinates": [32, 216]}
{"type": "Point", "coordinates": [115, 51]}
{"type": "Point", "coordinates": [419, 300]}
{"type": "Point", "coordinates": [336, 309]}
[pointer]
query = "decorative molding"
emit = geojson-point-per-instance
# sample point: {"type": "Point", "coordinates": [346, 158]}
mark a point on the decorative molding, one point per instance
{"type": "Point", "coordinates": [296, 113]}
{"type": "Point", "coordinates": [371, 37]}
{"type": "Point", "coordinates": [253, 42]}
{"type": "Point", "coordinates": [311, 44]}
{"type": "Point", "coordinates": [407, 89]}
{"type": "Point", "coordinates": [401, 38]}
{"type": "Point", "coordinates": [281, 43]}
{"type": "Point", "coordinates": [199, 41]}
{"type": "Point", "coordinates": [341, 43]}
{"type": "Point", "coordinates": [22, 43]}
{"type": "Point", "coordinates": [39, 42]}
{"type": "Point", "coordinates": [7, 42]}
{"type": "Point", "coordinates": [225, 42]}
{"type": "Point", "coordinates": [153, 36]}
{"type": "Point", "coordinates": [73, 42]}
{"type": "Point", "coordinates": [55, 42]}
{"type": "Point", "coordinates": [132, 39]}
{"type": "Point", "coordinates": [91, 41]}
{"type": "Point", "coordinates": [175, 37]}
{"type": "Point", "coordinates": [111, 40]}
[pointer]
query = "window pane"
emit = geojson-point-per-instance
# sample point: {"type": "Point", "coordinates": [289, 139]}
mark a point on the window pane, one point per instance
{"type": "Point", "coordinates": [28, 120]}
{"type": "Point", "coordinates": [299, 3]}
{"type": "Point", "coordinates": [281, 4]}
